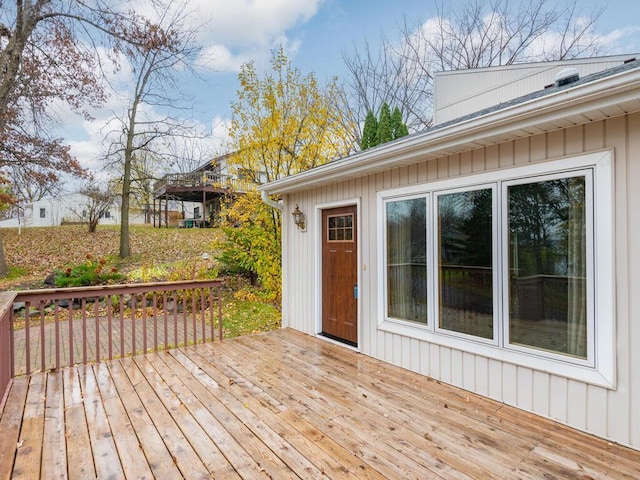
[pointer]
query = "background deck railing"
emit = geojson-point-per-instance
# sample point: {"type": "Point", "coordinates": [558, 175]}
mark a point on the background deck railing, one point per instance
{"type": "Point", "coordinates": [55, 328]}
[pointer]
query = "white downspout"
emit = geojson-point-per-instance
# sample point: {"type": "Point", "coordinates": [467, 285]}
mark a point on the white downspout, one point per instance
{"type": "Point", "coordinates": [272, 203]}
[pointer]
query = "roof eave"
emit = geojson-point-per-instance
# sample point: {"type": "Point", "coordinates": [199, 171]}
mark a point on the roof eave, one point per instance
{"type": "Point", "coordinates": [500, 125]}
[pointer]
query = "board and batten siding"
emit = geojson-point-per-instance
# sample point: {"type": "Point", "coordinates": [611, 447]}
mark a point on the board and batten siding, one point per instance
{"type": "Point", "coordinates": [612, 414]}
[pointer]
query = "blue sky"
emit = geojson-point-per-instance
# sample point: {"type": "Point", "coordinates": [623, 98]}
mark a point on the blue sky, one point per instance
{"type": "Point", "coordinates": [315, 34]}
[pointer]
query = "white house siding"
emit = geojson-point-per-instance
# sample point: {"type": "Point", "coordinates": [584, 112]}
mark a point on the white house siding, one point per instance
{"type": "Point", "coordinates": [613, 414]}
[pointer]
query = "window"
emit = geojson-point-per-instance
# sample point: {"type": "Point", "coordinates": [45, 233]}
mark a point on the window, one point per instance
{"type": "Point", "coordinates": [548, 241]}
{"type": "Point", "coordinates": [465, 262]}
{"type": "Point", "coordinates": [43, 213]}
{"type": "Point", "coordinates": [407, 259]}
{"type": "Point", "coordinates": [105, 214]}
{"type": "Point", "coordinates": [340, 228]}
{"type": "Point", "coordinates": [514, 274]}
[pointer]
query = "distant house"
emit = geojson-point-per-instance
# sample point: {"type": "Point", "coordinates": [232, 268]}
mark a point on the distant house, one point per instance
{"type": "Point", "coordinates": [496, 251]}
{"type": "Point", "coordinates": [208, 186]}
{"type": "Point", "coordinates": [73, 208]}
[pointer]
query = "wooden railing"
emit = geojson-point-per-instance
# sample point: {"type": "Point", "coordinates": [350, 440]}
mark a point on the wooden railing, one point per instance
{"type": "Point", "coordinates": [6, 352]}
{"type": "Point", "coordinates": [196, 179]}
{"type": "Point", "coordinates": [51, 329]}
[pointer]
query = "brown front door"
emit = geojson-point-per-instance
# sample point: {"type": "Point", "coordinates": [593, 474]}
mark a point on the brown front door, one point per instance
{"type": "Point", "coordinates": [339, 274]}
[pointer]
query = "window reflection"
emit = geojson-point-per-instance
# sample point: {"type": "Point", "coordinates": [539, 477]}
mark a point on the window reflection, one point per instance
{"type": "Point", "coordinates": [547, 265]}
{"type": "Point", "coordinates": [465, 231]}
{"type": "Point", "coordinates": [407, 260]}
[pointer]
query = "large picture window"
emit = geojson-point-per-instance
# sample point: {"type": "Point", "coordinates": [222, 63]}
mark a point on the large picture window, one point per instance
{"type": "Point", "coordinates": [548, 239]}
{"type": "Point", "coordinates": [465, 268]}
{"type": "Point", "coordinates": [505, 264]}
{"type": "Point", "coordinates": [407, 259]}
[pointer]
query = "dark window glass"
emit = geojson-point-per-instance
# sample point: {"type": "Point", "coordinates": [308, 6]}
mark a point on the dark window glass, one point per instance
{"type": "Point", "coordinates": [465, 246]}
{"type": "Point", "coordinates": [407, 260]}
{"type": "Point", "coordinates": [547, 265]}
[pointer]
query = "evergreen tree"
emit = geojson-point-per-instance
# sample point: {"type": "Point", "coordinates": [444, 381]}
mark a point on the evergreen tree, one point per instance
{"type": "Point", "coordinates": [369, 131]}
{"type": "Point", "coordinates": [398, 127]}
{"type": "Point", "coordinates": [385, 129]}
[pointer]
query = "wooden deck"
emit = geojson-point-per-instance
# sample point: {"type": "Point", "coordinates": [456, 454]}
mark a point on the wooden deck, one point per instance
{"type": "Point", "coordinates": [279, 405]}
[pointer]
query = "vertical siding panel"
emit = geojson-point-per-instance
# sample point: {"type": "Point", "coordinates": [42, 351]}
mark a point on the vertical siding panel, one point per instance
{"type": "Point", "coordinates": [506, 154]}
{"type": "Point", "coordinates": [434, 361]}
{"type": "Point", "coordinates": [412, 175]}
{"type": "Point", "coordinates": [509, 386]}
{"type": "Point", "coordinates": [577, 398]}
{"type": "Point", "coordinates": [468, 371]}
{"type": "Point", "coordinates": [425, 357]}
{"type": "Point", "coordinates": [478, 160]}
{"type": "Point", "coordinates": [454, 165]}
{"type": "Point", "coordinates": [375, 269]}
{"type": "Point", "coordinates": [466, 163]}
{"type": "Point", "coordinates": [630, 312]}
{"type": "Point", "coordinates": [457, 367]}
{"type": "Point", "coordinates": [432, 170]}
{"type": "Point", "coordinates": [597, 406]}
{"type": "Point", "coordinates": [594, 136]}
{"type": "Point", "coordinates": [522, 151]}
{"type": "Point", "coordinates": [481, 375]}
{"type": "Point", "coordinates": [574, 139]}
{"type": "Point", "coordinates": [555, 144]}
{"type": "Point", "coordinates": [404, 344]}
{"type": "Point", "coordinates": [492, 157]}
{"type": "Point", "coordinates": [396, 347]}
{"type": "Point", "coordinates": [541, 393]}
{"type": "Point", "coordinates": [414, 361]}
{"type": "Point", "coordinates": [558, 398]}
{"type": "Point", "coordinates": [423, 172]}
{"type": "Point", "coordinates": [624, 136]}
{"type": "Point", "coordinates": [445, 364]}
{"type": "Point", "coordinates": [443, 167]}
{"type": "Point", "coordinates": [538, 148]}
{"type": "Point", "coordinates": [524, 384]}
{"type": "Point", "coordinates": [495, 380]}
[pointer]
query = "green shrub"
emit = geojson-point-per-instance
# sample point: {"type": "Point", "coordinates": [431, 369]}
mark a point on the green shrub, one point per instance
{"type": "Point", "coordinates": [92, 272]}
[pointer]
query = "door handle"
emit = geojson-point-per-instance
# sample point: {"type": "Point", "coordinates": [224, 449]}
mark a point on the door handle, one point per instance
{"type": "Point", "coordinates": [355, 291]}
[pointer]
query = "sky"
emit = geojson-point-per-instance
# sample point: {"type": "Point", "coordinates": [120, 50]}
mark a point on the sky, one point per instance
{"type": "Point", "coordinates": [315, 34]}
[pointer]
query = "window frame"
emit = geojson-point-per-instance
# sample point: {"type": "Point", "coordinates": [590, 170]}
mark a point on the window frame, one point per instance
{"type": "Point", "coordinates": [590, 261]}
{"type": "Point", "coordinates": [429, 259]}
{"type": "Point", "coordinates": [599, 369]}
{"type": "Point", "coordinates": [494, 263]}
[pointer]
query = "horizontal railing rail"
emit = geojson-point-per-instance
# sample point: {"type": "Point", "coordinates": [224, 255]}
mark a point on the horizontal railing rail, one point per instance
{"type": "Point", "coordinates": [196, 179]}
{"type": "Point", "coordinates": [55, 328]}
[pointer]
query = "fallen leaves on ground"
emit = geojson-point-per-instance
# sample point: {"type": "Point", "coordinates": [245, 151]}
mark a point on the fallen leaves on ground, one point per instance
{"type": "Point", "coordinates": [35, 252]}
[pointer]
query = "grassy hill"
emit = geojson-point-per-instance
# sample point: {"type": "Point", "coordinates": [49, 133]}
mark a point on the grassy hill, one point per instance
{"type": "Point", "coordinates": [34, 253]}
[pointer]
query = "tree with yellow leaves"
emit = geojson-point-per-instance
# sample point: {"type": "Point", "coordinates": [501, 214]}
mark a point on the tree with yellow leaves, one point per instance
{"type": "Point", "coordinates": [283, 123]}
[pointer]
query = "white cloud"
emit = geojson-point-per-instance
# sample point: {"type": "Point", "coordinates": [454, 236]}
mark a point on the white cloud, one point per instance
{"type": "Point", "coordinates": [245, 30]}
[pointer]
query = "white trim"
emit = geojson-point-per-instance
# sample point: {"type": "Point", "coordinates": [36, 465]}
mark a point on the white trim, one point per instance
{"type": "Point", "coordinates": [495, 263]}
{"type": "Point", "coordinates": [601, 370]}
{"type": "Point", "coordinates": [318, 264]}
{"type": "Point", "coordinates": [591, 350]}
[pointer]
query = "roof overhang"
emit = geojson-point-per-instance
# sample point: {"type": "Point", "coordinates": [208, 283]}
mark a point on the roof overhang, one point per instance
{"type": "Point", "coordinates": [607, 97]}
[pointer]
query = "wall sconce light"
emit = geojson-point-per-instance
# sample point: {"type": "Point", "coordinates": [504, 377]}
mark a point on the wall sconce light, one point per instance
{"type": "Point", "coordinates": [298, 218]}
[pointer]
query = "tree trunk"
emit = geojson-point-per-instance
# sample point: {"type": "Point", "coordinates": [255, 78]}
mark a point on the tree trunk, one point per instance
{"type": "Point", "coordinates": [4, 268]}
{"type": "Point", "coordinates": [125, 249]}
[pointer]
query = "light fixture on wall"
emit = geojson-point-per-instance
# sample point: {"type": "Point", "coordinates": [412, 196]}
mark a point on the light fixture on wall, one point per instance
{"type": "Point", "coordinates": [298, 218]}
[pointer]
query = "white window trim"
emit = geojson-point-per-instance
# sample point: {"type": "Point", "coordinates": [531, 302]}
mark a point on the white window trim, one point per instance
{"type": "Point", "coordinates": [495, 265]}
{"type": "Point", "coordinates": [602, 371]}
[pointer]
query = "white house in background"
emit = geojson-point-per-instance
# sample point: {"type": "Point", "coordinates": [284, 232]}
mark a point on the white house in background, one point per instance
{"type": "Point", "coordinates": [73, 208]}
{"type": "Point", "coordinates": [496, 251]}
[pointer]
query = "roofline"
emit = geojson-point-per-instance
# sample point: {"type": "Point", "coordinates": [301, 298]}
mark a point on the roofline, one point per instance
{"type": "Point", "coordinates": [502, 123]}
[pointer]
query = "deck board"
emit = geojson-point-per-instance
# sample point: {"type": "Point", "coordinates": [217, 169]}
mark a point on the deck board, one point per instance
{"type": "Point", "coordinates": [280, 405]}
